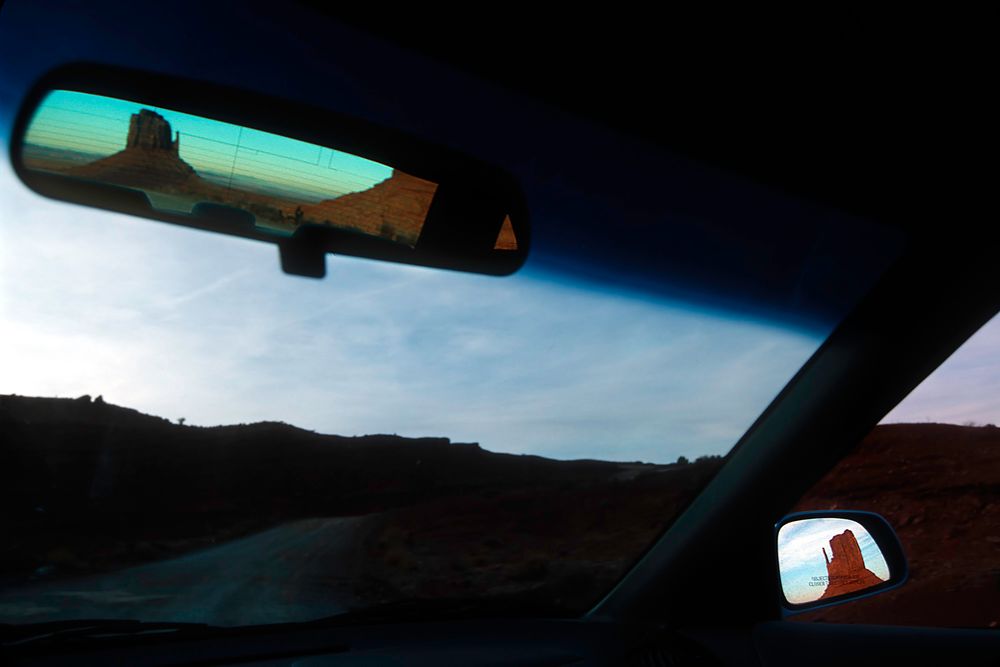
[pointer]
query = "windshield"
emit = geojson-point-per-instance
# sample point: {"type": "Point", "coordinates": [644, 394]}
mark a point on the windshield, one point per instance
{"type": "Point", "coordinates": [124, 514]}
{"type": "Point", "coordinates": [190, 435]}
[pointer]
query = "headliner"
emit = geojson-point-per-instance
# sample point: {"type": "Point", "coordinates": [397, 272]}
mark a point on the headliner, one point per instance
{"type": "Point", "coordinates": [616, 198]}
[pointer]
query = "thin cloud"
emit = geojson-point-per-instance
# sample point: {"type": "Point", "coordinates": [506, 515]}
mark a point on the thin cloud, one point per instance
{"type": "Point", "coordinates": [197, 325]}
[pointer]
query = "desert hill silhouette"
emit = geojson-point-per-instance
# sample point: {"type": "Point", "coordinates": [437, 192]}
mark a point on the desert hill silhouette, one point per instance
{"type": "Point", "coordinates": [88, 486]}
{"type": "Point", "coordinates": [161, 468]}
{"type": "Point", "coordinates": [150, 159]}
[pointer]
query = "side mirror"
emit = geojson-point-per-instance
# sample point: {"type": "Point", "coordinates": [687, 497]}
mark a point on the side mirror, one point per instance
{"type": "Point", "coordinates": [830, 557]}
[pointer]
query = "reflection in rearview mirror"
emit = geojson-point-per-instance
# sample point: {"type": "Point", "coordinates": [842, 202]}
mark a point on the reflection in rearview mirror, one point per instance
{"type": "Point", "coordinates": [308, 180]}
{"type": "Point", "coordinates": [825, 558]}
{"type": "Point", "coordinates": [188, 165]}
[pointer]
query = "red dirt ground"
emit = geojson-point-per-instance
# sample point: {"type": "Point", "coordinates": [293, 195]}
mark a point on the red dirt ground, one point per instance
{"type": "Point", "coordinates": [938, 485]}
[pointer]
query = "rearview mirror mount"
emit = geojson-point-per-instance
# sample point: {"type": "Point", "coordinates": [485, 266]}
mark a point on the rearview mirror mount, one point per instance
{"type": "Point", "coordinates": [308, 180]}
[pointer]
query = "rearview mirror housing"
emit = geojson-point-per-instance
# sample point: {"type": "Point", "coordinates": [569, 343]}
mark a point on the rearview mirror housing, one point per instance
{"type": "Point", "coordinates": [830, 557]}
{"type": "Point", "coordinates": [308, 180]}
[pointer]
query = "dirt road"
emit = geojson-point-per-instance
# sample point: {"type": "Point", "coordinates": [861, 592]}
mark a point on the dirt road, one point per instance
{"type": "Point", "coordinates": [295, 572]}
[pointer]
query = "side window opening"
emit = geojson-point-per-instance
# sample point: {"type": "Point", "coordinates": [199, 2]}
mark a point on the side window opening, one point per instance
{"type": "Point", "coordinates": [932, 469]}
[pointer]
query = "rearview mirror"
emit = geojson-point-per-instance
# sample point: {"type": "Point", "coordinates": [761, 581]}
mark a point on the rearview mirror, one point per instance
{"type": "Point", "coordinates": [310, 181]}
{"type": "Point", "coordinates": [831, 557]}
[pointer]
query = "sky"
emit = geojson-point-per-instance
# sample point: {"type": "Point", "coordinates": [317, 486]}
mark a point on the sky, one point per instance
{"type": "Point", "coordinates": [801, 561]}
{"type": "Point", "coordinates": [965, 389]}
{"type": "Point", "coordinates": [97, 124]}
{"type": "Point", "coordinates": [205, 327]}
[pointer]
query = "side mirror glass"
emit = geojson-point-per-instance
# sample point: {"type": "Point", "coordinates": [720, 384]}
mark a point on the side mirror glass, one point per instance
{"type": "Point", "coordinates": [834, 556]}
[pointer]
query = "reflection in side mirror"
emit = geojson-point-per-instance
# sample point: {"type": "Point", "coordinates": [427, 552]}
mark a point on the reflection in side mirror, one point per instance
{"type": "Point", "coordinates": [831, 557]}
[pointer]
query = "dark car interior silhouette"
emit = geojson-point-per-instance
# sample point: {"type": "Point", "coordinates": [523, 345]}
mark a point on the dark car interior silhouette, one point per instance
{"type": "Point", "coordinates": [499, 339]}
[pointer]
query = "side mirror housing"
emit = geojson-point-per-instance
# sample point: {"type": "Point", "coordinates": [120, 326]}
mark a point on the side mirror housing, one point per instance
{"type": "Point", "coordinates": [835, 556]}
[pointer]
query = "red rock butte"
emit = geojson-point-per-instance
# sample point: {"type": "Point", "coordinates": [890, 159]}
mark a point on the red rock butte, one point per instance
{"type": "Point", "coordinates": [846, 571]}
{"type": "Point", "coordinates": [395, 208]}
{"type": "Point", "coordinates": [150, 159]}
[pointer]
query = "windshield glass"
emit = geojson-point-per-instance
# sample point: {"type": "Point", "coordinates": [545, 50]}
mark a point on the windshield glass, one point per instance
{"type": "Point", "coordinates": [202, 334]}
{"type": "Point", "coordinates": [146, 474]}
{"type": "Point", "coordinates": [190, 435]}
